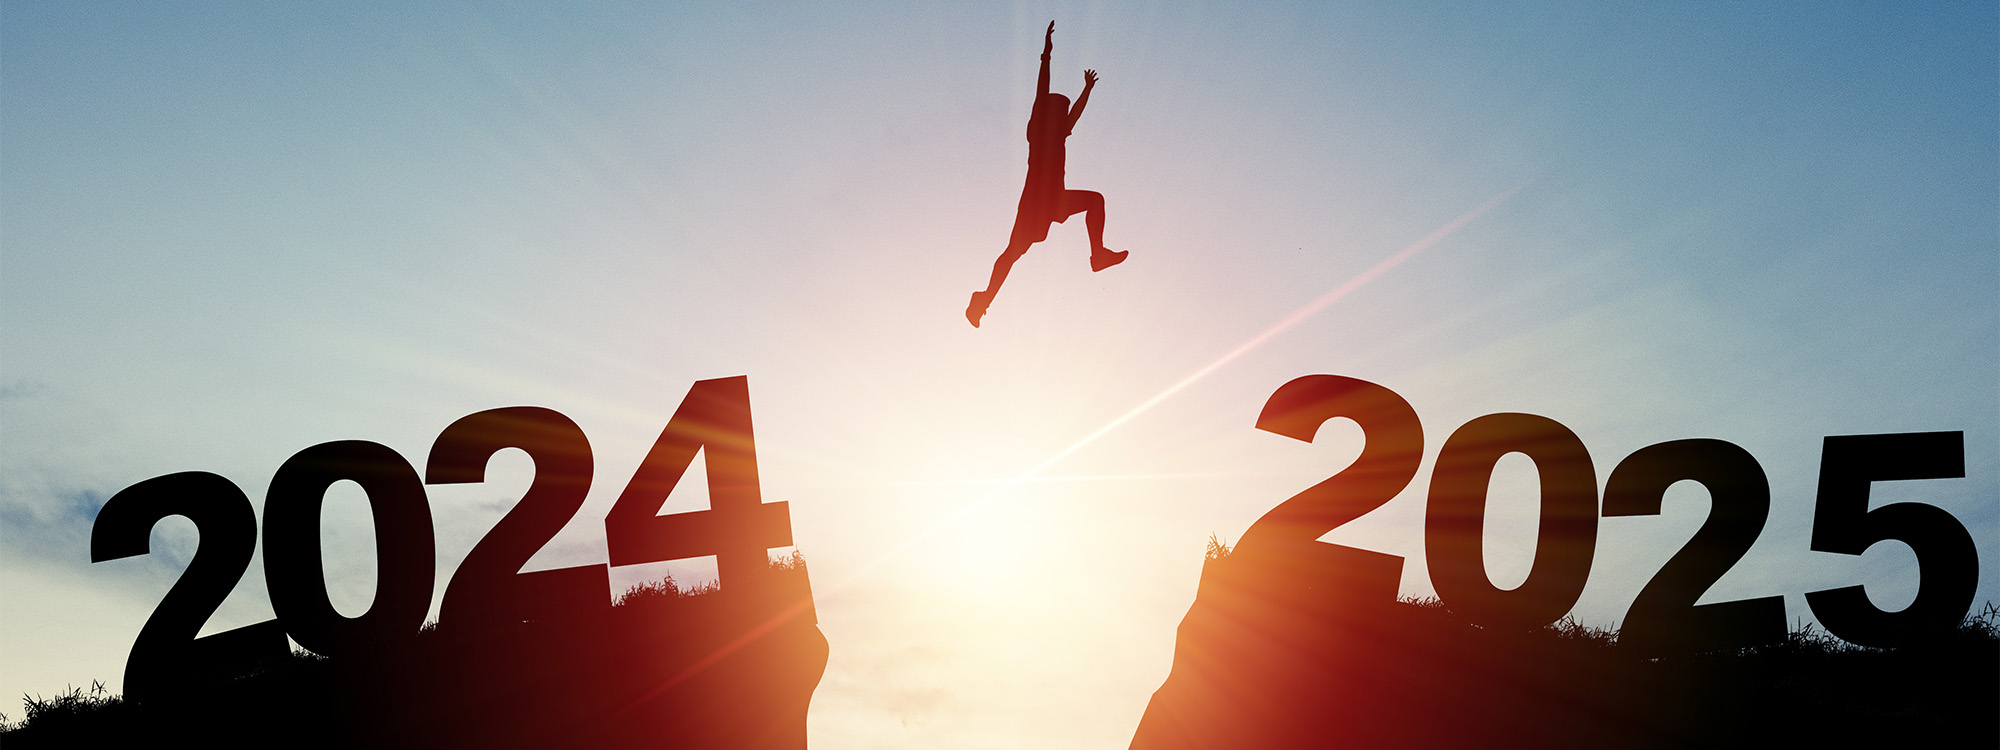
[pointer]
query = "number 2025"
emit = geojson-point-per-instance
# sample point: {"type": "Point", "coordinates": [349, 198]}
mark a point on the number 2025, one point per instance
{"type": "Point", "coordinates": [488, 588]}
{"type": "Point", "coordinates": [1664, 617]}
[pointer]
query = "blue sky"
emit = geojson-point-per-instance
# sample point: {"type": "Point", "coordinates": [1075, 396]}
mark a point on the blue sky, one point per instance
{"type": "Point", "coordinates": [231, 231]}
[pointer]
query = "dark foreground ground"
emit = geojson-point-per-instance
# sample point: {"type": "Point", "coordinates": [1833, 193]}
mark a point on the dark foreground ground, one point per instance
{"type": "Point", "coordinates": [675, 670]}
{"type": "Point", "coordinates": [1261, 663]}
{"type": "Point", "coordinates": [1258, 663]}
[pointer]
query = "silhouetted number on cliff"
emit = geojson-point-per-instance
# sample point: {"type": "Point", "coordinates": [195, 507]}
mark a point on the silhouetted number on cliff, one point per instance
{"type": "Point", "coordinates": [1947, 561]}
{"type": "Point", "coordinates": [489, 587]}
{"type": "Point", "coordinates": [739, 528]}
{"type": "Point", "coordinates": [167, 650]}
{"type": "Point", "coordinates": [1453, 524]}
{"type": "Point", "coordinates": [1665, 618]}
{"type": "Point", "coordinates": [1392, 449]}
{"type": "Point", "coordinates": [405, 553]}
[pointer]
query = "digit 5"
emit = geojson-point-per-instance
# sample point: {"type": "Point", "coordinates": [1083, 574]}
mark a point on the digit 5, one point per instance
{"type": "Point", "coordinates": [1947, 561]}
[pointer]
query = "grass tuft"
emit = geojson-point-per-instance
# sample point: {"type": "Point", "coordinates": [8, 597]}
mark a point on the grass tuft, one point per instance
{"type": "Point", "coordinates": [67, 707]}
{"type": "Point", "coordinates": [1217, 548]}
{"type": "Point", "coordinates": [667, 588]}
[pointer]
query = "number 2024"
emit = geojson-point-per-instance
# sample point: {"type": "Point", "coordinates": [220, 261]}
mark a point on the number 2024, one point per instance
{"type": "Point", "coordinates": [488, 588]}
{"type": "Point", "coordinates": [1664, 618]}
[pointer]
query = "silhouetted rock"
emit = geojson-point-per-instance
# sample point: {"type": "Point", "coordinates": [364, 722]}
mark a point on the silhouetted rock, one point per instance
{"type": "Point", "coordinates": [1267, 659]}
{"type": "Point", "coordinates": [716, 670]}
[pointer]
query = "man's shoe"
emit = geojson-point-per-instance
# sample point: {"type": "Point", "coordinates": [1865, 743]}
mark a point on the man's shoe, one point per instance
{"type": "Point", "coordinates": [977, 308]}
{"type": "Point", "coordinates": [1106, 258]}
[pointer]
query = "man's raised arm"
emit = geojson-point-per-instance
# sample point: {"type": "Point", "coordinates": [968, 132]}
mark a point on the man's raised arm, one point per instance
{"type": "Point", "coordinates": [1089, 82]}
{"type": "Point", "coordinates": [1048, 46]}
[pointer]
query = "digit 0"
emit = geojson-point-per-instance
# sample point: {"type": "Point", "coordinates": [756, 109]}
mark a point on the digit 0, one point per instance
{"type": "Point", "coordinates": [1454, 523]}
{"type": "Point", "coordinates": [405, 552]}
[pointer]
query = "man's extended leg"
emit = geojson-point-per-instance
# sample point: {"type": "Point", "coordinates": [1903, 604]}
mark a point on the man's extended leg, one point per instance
{"type": "Point", "coordinates": [981, 299]}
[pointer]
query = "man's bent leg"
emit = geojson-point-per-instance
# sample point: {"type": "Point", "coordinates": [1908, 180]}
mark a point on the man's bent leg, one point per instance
{"type": "Point", "coordinates": [1091, 204]}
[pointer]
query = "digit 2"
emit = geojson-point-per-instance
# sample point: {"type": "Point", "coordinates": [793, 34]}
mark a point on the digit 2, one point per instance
{"type": "Point", "coordinates": [167, 647]}
{"type": "Point", "coordinates": [1664, 618]}
{"type": "Point", "coordinates": [1392, 449]}
{"type": "Point", "coordinates": [488, 587]}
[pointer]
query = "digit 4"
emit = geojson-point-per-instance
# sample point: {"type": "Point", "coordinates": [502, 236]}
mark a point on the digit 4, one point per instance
{"type": "Point", "coordinates": [738, 528]}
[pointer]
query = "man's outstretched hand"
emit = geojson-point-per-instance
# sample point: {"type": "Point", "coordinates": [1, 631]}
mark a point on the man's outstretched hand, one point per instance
{"type": "Point", "coordinates": [1089, 79]}
{"type": "Point", "coordinates": [1049, 39]}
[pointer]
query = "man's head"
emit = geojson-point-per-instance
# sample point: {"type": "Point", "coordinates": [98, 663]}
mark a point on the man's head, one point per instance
{"type": "Point", "coordinates": [1053, 104]}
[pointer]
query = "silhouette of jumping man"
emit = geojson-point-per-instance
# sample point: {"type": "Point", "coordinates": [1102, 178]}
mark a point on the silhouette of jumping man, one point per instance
{"type": "Point", "coordinates": [1044, 200]}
